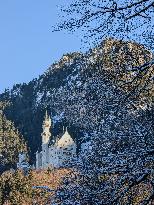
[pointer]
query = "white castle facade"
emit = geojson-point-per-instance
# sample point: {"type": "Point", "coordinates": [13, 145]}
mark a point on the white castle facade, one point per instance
{"type": "Point", "coordinates": [56, 153]}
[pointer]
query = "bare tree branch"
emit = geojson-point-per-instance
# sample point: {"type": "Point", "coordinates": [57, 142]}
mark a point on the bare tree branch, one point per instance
{"type": "Point", "coordinates": [141, 11]}
{"type": "Point", "coordinates": [89, 16]}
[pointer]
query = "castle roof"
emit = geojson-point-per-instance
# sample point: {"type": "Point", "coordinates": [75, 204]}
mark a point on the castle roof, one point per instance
{"type": "Point", "coordinates": [65, 141]}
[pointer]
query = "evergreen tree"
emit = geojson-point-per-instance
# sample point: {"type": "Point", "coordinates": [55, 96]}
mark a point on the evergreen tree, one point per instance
{"type": "Point", "coordinates": [11, 142]}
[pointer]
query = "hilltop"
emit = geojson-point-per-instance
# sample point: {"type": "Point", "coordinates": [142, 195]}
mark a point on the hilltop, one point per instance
{"type": "Point", "coordinates": [85, 92]}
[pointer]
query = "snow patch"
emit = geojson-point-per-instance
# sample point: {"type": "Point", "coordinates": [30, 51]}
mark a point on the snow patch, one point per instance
{"type": "Point", "coordinates": [57, 118]}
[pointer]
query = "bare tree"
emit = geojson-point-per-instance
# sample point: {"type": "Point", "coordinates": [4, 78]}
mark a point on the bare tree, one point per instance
{"type": "Point", "coordinates": [125, 20]}
{"type": "Point", "coordinates": [131, 20]}
{"type": "Point", "coordinates": [100, 18]}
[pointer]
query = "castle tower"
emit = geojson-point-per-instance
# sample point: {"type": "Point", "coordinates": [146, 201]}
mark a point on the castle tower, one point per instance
{"type": "Point", "coordinates": [45, 140]}
{"type": "Point", "coordinates": [46, 129]}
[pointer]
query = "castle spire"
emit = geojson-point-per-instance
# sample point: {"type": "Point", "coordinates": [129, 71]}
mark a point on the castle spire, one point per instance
{"type": "Point", "coordinates": [63, 129]}
{"type": "Point", "coordinates": [46, 129]}
{"type": "Point", "coordinates": [46, 115]}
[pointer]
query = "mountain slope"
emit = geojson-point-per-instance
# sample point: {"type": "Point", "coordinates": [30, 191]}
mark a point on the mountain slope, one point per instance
{"type": "Point", "coordinates": [103, 92]}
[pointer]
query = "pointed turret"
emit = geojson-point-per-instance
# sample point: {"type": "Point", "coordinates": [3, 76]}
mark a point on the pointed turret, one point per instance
{"type": "Point", "coordinates": [46, 129]}
{"type": "Point", "coordinates": [65, 140]}
{"type": "Point", "coordinates": [46, 115]}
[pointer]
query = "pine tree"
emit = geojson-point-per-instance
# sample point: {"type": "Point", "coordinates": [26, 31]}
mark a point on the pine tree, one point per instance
{"type": "Point", "coordinates": [11, 142]}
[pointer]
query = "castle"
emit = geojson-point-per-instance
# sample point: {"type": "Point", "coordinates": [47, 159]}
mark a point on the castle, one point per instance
{"type": "Point", "coordinates": [55, 153]}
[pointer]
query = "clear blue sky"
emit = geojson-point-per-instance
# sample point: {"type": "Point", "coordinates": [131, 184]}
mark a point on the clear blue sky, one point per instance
{"type": "Point", "coordinates": [27, 45]}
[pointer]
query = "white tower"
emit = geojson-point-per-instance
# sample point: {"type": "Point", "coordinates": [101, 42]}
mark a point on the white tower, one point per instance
{"type": "Point", "coordinates": [45, 140]}
{"type": "Point", "coordinates": [46, 129]}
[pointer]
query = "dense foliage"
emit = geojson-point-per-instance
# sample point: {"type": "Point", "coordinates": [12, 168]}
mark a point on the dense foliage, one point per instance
{"type": "Point", "coordinates": [15, 188]}
{"type": "Point", "coordinates": [37, 187]}
{"type": "Point", "coordinates": [101, 178]}
{"type": "Point", "coordinates": [11, 142]}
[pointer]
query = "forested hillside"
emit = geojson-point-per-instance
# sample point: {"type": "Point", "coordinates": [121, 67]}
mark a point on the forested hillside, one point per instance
{"type": "Point", "coordinates": [105, 92]}
{"type": "Point", "coordinates": [105, 98]}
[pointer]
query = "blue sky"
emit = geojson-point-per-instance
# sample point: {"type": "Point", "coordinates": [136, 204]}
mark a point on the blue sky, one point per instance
{"type": "Point", "coordinates": [27, 45]}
